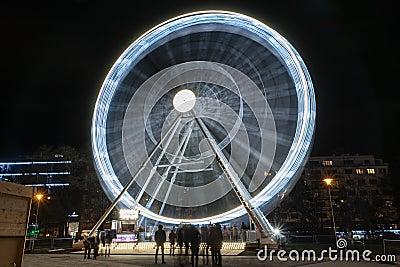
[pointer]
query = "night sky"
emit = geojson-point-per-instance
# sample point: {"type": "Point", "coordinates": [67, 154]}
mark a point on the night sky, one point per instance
{"type": "Point", "coordinates": [56, 54]}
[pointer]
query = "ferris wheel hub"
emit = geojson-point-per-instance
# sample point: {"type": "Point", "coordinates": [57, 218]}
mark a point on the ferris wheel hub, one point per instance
{"type": "Point", "coordinates": [184, 100]}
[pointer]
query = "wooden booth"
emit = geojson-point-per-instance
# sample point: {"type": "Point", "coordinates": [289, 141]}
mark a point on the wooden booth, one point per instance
{"type": "Point", "coordinates": [15, 201]}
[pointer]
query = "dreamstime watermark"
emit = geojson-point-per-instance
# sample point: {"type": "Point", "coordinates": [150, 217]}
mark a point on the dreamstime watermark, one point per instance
{"type": "Point", "coordinates": [338, 254]}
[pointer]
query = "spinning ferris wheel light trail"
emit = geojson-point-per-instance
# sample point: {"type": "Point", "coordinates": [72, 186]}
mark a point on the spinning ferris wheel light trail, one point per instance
{"type": "Point", "coordinates": [206, 117]}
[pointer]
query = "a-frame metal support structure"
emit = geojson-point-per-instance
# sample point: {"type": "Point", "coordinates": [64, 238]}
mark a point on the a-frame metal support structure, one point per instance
{"type": "Point", "coordinates": [263, 226]}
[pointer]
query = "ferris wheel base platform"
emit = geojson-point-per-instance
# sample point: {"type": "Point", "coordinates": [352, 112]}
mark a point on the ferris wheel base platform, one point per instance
{"type": "Point", "coordinates": [148, 248]}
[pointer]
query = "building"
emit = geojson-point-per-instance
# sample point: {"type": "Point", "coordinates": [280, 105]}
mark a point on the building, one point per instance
{"type": "Point", "coordinates": [361, 194]}
{"type": "Point", "coordinates": [72, 196]}
{"type": "Point", "coordinates": [49, 178]}
{"type": "Point", "coordinates": [44, 174]}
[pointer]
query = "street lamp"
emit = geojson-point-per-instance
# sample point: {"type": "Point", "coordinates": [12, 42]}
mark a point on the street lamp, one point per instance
{"type": "Point", "coordinates": [328, 181]}
{"type": "Point", "coordinates": [38, 197]}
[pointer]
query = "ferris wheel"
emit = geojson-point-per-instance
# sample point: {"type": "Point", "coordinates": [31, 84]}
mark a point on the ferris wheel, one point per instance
{"type": "Point", "coordinates": [202, 115]}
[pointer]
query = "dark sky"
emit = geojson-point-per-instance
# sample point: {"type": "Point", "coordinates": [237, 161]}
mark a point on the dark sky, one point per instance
{"type": "Point", "coordinates": [56, 54]}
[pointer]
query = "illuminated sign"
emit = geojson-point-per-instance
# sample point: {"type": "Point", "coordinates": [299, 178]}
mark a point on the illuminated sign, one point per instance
{"type": "Point", "coordinates": [128, 214]}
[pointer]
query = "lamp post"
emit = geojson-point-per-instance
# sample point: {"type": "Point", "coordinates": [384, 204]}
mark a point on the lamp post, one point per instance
{"type": "Point", "coordinates": [38, 197]}
{"type": "Point", "coordinates": [328, 181]}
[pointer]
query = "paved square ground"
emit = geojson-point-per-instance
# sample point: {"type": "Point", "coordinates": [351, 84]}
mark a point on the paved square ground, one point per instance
{"type": "Point", "coordinates": [76, 259]}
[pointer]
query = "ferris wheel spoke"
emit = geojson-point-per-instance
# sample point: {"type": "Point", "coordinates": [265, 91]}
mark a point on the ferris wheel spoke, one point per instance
{"type": "Point", "coordinates": [176, 170]}
{"type": "Point", "coordinates": [154, 169]}
{"type": "Point", "coordinates": [166, 172]}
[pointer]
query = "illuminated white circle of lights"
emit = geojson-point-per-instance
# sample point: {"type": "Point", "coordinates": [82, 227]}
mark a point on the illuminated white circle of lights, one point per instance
{"type": "Point", "coordinates": [184, 100]}
{"type": "Point", "coordinates": [121, 148]}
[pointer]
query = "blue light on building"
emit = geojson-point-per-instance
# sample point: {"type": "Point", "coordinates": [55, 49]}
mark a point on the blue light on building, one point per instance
{"type": "Point", "coordinates": [36, 173]}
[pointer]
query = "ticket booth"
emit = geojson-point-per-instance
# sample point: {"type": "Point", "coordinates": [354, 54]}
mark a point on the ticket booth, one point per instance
{"type": "Point", "coordinates": [126, 226]}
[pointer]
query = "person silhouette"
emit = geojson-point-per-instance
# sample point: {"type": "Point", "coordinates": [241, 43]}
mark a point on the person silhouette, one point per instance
{"type": "Point", "coordinates": [243, 230]}
{"type": "Point", "coordinates": [172, 239]}
{"type": "Point", "coordinates": [95, 243]}
{"type": "Point", "coordinates": [186, 239]}
{"type": "Point", "coordinates": [195, 240]}
{"type": "Point", "coordinates": [205, 239]}
{"type": "Point", "coordinates": [107, 239]}
{"type": "Point", "coordinates": [225, 233]}
{"type": "Point", "coordinates": [235, 232]}
{"type": "Point", "coordinates": [160, 237]}
{"type": "Point", "coordinates": [216, 244]}
{"type": "Point", "coordinates": [86, 243]}
{"type": "Point", "coordinates": [179, 234]}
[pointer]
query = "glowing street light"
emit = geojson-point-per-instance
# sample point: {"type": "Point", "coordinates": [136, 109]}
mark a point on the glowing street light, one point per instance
{"type": "Point", "coordinates": [328, 181]}
{"type": "Point", "coordinates": [39, 197]}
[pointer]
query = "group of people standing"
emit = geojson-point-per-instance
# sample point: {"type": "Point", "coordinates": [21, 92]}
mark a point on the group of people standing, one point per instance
{"type": "Point", "coordinates": [93, 243]}
{"type": "Point", "coordinates": [235, 232]}
{"type": "Point", "coordinates": [189, 237]}
{"type": "Point", "coordinates": [213, 239]}
{"type": "Point", "coordinates": [207, 239]}
{"type": "Point", "coordinates": [90, 243]}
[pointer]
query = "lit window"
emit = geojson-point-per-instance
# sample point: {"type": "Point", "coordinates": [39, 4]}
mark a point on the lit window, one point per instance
{"type": "Point", "coordinates": [359, 171]}
{"type": "Point", "coordinates": [371, 171]}
{"type": "Point", "coordinates": [327, 162]}
{"type": "Point", "coordinates": [389, 203]}
{"type": "Point", "coordinates": [266, 174]}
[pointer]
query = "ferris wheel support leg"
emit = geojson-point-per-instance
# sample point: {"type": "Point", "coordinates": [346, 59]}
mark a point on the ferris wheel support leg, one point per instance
{"type": "Point", "coordinates": [262, 224]}
{"type": "Point", "coordinates": [173, 127]}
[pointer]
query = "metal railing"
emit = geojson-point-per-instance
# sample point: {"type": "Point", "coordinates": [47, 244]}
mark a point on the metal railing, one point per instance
{"type": "Point", "coordinates": [48, 243]}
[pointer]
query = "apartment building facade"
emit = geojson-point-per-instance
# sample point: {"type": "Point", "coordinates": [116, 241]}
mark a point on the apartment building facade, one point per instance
{"type": "Point", "coordinates": [361, 195]}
